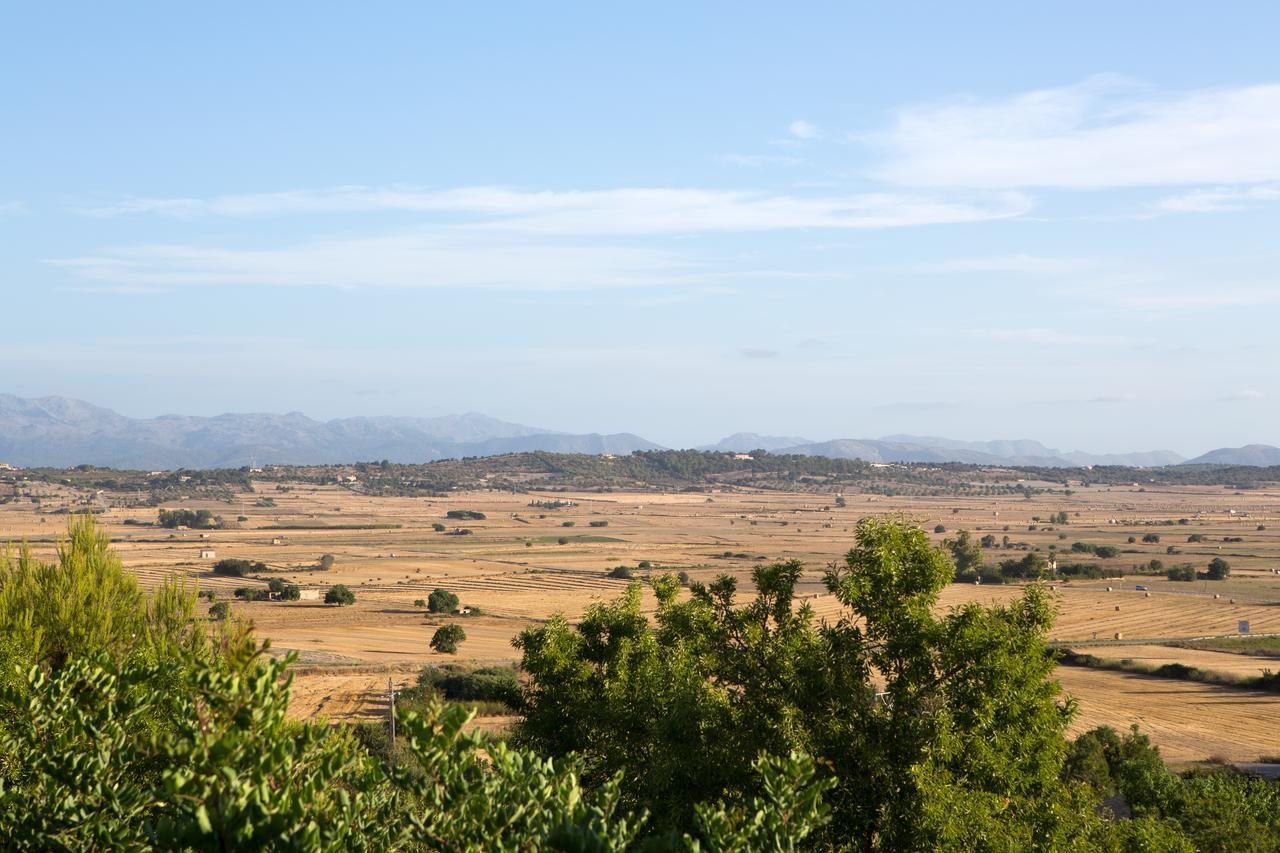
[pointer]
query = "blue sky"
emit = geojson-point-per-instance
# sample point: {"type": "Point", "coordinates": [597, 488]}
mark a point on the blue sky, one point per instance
{"type": "Point", "coordinates": [1054, 221]}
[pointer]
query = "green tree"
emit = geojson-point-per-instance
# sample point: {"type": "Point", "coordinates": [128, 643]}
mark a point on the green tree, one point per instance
{"type": "Point", "coordinates": [966, 554]}
{"type": "Point", "coordinates": [1218, 569]}
{"type": "Point", "coordinates": [340, 595]}
{"type": "Point", "coordinates": [447, 638]}
{"type": "Point", "coordinates": [964, 734]}
{"type": "Point", "coordinates": [442, 601]}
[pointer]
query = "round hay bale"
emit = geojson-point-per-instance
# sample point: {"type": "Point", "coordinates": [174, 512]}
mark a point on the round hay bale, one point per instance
{"type": "Point", "coordinates": [1119, 636]}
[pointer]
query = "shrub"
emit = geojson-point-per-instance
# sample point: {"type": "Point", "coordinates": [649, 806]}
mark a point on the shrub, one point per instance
{"type": "Point", "coordinates": [465, 514]}
{"type": "Point", "coordinates": [941, 528]}
{"type": "Point", "coordinates": [196, 519]}
{"type": "Point", "coordinates": [447, 638]}
{"type": "Point", "coordinates": [340, 595]}
{"type": "Point", "coordinates": [566, 524]}
{"type": "Point", "coordinates": [250, 593]}
{"type": "Point", "coordinates": [418, 602]}
{"type": "Point", "coordinates": [220, 611]}
{"type": "Point", "coordinates": [438, 527]}
{"type": "Point", "coordinates": [286, 591]}
{"type": "Point", "coordinates": [563, 540]}
{"type": "Point", "coordinates": [1181, 573]}
{"type": "Point", "coordinates": [599, 523]}
{"type": "Point", "coordinates": [1151, 538]}
{"type": "Point", "coordinates": [326, 561]}
{"type": "Point", "coordinates": [683, 577]}
{"type": "Point", "coordinates": [621, 573]}
{"type": "Point", "coordinates": [1218, 569]}
{"type": "Point", "coordinates": [233, 567]}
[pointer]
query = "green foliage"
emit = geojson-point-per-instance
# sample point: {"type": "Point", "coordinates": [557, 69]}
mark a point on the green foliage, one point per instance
{"type": "Point", "coordinates": [220, 611]}
{"type": "Point", "coordinates": [967, 713]}
{"type": "Point", "coordinates": [340, 595]}
{"type": "Point", "coordinates": [284, 590]}
{"type": "Point", "coordinates": [442, 601]}
{"type": "Point", "coordinates": [1218, 569]}
{"type": "Point", "coordinates": [966, 554]}
{"type": "Point", "coordinates": [622, 573]}
{"type": "Point", "coordinates": [465, 514]}
{"type": "Point", "coordinates": [1181, 573]}
{"type": "Point", "coordinates": [84, 604]}
{"type": "Point", "coordinates": [196, 519]}
{"type": "Point", "coordinates": [325, 562]}
{"type": "Point", "coordinates": [237, 568]}
{"type": "Point", "coordinates": [447, 638]}
{"type": "Point", "coordinates": [438, 527]}
{"type": "Point", "coordinates": [598, 523]}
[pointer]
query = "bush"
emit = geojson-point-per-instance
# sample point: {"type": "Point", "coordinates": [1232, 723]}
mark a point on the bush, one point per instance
{"type": "Point", "coordinates": [442, 601]}
{"type": "Point", "coordinates": [447, 638]}
{"type": "Point", "coordinates": [1151, 538]}
{"type": "Point", "coordinates": [683, 577]}
{"type": "Point", "coordinates": [465, 514]}
{"type": "Point", "coordinates": [599, 523]}
{"type": "Point", "coordinates": [233, 567]}
{"type": "Point", "coordinates": [196, 519]}
{"type": "Point", "coordinates": [1218, 569]}
{"type": "Point", "coordinates": [566, 524]}
{"type": "Point", "coordinates": [284, 590]}
{"type": "Point", "coordinates": [438, 527]}
{"type": "Point", "coordinates": [250, 593]}
{"type": "Point", "coordinates": [340, 595]}
{"type": "Point", "coordinates": [1181, 573]}
{"type": "Point", "coordinates": [418, 602]}
{"type": "Point", "coordinates": [220, 611]}
{"type": "Point", "coordinates": [563, 540]}
{"type": "Point", "coordinates": [326, 562]}
{"type": "Point", "coordinates": [940, 528]}
{"type": "Point", "coordinates": [459, 684]}
{"type": "Point", "coordinates": [621, 573]}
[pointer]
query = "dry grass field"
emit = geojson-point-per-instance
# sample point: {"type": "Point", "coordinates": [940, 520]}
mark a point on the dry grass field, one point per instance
{"type": "Point", "coordinates": [516, 569]}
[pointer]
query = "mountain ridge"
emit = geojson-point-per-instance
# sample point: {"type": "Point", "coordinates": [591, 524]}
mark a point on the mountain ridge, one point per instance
{"type": "Point", "coordinates": [60, 432]}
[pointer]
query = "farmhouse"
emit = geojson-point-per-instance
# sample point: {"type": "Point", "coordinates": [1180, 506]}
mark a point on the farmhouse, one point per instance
{"type": "Point", "coordinates": [208, 554]}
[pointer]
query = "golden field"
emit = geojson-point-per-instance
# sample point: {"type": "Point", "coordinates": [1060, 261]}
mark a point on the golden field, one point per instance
{"type": "Point", "coordinates": [513, 567]}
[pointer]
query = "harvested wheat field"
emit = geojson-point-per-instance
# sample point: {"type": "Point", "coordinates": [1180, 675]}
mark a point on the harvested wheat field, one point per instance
{"type": "Point", "coordinates": [532, 555]}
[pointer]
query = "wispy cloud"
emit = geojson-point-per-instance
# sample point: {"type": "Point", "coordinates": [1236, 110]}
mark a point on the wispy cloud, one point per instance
{"type": "Point", "coordinates": [756, 161]}
{"type": "Point", "coordinates": [802, 129]}
{"type": "Point", "coordinates": [1242, 395]}
{"type": "Point", "coordinates": [1050, 337]}
{"type": "Point", "coordinates": [1218, 199]}
{"type": "Point", "coordinates": [595, 212]}
{"type": "Point", "coordinates": [414, 259]}
{"type": "Point", "coordinates": [1207, 297]}
{"type": "Point", "coordinates": [1019, 263]}
{"type": "Point", "coordinates": [1103, 132]}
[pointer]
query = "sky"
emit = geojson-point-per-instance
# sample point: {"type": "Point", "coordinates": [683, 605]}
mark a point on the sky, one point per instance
{"type": "Point", "coordinates": [1047, 220]}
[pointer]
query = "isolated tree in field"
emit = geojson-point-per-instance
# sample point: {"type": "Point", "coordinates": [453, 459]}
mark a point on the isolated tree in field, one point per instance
{"type": "Point", "coordinates": [325, 562]}
{"type": "Point", "coordinates": [284, 590]}
{"type": "Point", "coordinates": [966, 554]}
{"type": "Point", "coordinates": [220, 610]}
{"type": "Point", "coordinates": [1218, 569]}
{"type": "Point", "coordinates": [442, 601]}
{"type": "Point", "coordinates": [339, 594]}
{"type": "Point", "coordinates": [446, 639]}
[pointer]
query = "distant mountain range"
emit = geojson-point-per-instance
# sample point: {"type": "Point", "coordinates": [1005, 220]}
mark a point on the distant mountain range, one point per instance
{"type": "Point", "coordinates": [57, 431]}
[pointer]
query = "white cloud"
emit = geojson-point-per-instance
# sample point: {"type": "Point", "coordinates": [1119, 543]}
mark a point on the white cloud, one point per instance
{"type": "Point", "coordinates": [1218, 199]}
{"type": "Point", "coordinates": [756, 161]}
{"type": "Point", "coordinates": [407, 260]}
{"type": "Point", "coordinates": [801, 129]}
{"type": "Point", "coordinates": [1051, 337]}
{"type": "Point", "coordinates": [594, 212]}
{"type": "Point", "coordinates": [1208, 297]}
{"type": "Point", "coordinates": [1103, 132]}
{"type": "Point", "coordinates": [1020, 263]}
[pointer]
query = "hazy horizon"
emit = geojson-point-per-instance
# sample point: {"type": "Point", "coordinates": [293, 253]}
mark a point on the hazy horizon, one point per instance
{"type": "Point", "coordinates": [682, 222]}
